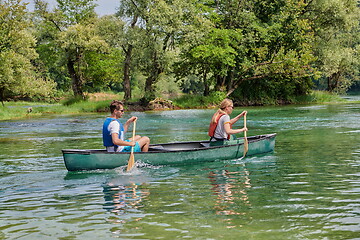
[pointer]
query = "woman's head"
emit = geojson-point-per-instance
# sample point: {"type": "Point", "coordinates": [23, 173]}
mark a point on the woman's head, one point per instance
{"type": "Point", "coordinates": [226, 107]}
{"type": "Point", "coordinates": [226, 103]}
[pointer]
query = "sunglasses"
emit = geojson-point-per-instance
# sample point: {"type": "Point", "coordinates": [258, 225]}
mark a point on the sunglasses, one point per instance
{"type": "Point", "coordinates": [121, 110]}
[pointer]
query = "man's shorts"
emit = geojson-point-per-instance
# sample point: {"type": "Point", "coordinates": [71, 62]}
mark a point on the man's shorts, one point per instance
{"type": "Point", "coordinates": [128, 148]}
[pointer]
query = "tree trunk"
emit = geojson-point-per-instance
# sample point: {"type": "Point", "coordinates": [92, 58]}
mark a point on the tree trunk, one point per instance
{"type": "Point", "coordinates": [230, 79]}
{"type": "Point", "coordinates": [156, 70]}
{"type": "Point", "coordinates": [126, 80]}
{"type": "Point", "coordinates": [76, 80]}
{"type": "Point", "coordinates": [149, 88]}
{"type": "Point", "coordinates": [2, 96]}
{"type": "Point", "coordinates": [218, 81]}
{"type": "Point", "coordinates": [333, 81]}
{"type": "Point", "coordinates": [127, 65]}
{"type": "Point", "coordinates": [206, 84]}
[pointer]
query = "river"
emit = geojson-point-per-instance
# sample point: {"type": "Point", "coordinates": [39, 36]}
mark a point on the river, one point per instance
{"type": "Point", "coordinates": [308, 188]}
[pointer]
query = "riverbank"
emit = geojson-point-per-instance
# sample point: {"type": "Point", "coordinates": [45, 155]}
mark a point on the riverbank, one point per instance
{"type": "Point", "coordinates": [100, 102]}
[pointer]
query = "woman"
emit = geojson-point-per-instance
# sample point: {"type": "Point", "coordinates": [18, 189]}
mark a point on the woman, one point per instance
{"type": "Point", "coordinates": [220, 126]}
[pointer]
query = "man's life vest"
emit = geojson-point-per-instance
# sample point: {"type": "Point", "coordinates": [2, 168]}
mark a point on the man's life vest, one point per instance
{"type": "Point", "coordinates": [213, 126]}
{"type": "Point", "coordinates": [107, 139]}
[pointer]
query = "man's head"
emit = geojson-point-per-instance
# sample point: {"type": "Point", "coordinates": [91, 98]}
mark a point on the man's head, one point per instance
{"type": "Point", "coordinates": [116, 108]}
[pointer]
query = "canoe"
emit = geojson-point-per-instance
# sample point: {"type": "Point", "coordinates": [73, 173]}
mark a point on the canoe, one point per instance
{"type": "Point", "coordinates": [177, 153]}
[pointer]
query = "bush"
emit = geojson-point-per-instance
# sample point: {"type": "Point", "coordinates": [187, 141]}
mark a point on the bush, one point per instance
{"type": "Point", "coordinates": [73, 100]}
{"type": "Point", "coordinates": [199, 101]}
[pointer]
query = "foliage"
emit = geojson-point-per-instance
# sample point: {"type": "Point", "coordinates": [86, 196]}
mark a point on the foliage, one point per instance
{"type": "Point", "coordinates": [319, 97]}
{"type": "Point", "coordinates": [74, 35]}
{"type": "Point", "coordinates": [72, 100]}
{"type": "Point", "coordinates": [166, 86]}
{"type": "Point", "coordinates": [18, 75]}
{"type": "Point", "coordinates": [199, 101]}
{"type": "Point", "coordinates": [159, 24]}
{"type": "Point", "coordinates": [256, 52]}
{"type": "Point", "coordinates": [337, 43]}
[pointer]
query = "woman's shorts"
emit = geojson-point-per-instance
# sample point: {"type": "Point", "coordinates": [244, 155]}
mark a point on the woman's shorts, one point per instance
{"type": "Point", "coordinates": [128, 148]}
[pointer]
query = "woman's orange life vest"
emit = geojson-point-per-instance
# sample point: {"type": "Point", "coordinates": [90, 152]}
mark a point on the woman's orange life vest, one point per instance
{"type": "Point", "coordinates": [213, 126]}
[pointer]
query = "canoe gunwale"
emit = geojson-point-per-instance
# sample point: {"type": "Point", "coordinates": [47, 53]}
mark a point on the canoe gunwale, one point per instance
{"type": "Point", "coordinates": [203, 148]}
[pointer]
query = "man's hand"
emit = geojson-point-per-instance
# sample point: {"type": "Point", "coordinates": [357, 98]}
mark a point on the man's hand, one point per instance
{"type": "Point", "coordinates": [132, 119]}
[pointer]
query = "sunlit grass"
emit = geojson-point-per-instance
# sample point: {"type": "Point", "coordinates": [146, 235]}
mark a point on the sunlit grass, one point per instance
{"type": "Point", "coordinates": [14, 110]}
{"type": "Point", "coordinates": [320, 97]}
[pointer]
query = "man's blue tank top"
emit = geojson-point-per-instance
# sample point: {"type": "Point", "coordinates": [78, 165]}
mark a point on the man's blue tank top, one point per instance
{"type": "Point", "coordinates": [107, 140]}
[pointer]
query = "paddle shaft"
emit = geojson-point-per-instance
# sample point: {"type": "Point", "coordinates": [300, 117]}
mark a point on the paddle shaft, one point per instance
{"type": "Point", "coordinates": [246, 144]}
{"type": "Point", "coordinates": [245, 123]}
{"type": "Point", "coordinates": [133, 136]}
{"type": "Point", "coordinates": [131, 161]}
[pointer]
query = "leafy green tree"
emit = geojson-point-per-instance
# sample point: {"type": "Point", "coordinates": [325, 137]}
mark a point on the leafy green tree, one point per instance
{"type": "Point", "coordinates": [75, 35]}
{"type": "Point", "coordinates": [253, 41]}
{"type": "Point", "coordinates": [105, 69]}
{"type": "Point", "coordinates": [336, 27]}
{"type": "Point", "coordinates": [121, 37]}
{"type": "Point", "coordinates": [18, 76]}
{"type": "Point", "coordinates": [159, 24]}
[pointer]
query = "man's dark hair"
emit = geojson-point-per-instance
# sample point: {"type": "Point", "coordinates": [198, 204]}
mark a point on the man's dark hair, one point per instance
{"type": "Point", "coordinates": [115, 105]}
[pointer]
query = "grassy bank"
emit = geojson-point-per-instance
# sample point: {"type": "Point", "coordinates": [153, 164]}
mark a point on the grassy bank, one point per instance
{"type": "Point", "coordinates": [16, 110]}
{"type": "Point", "coordinates": [196, 101]}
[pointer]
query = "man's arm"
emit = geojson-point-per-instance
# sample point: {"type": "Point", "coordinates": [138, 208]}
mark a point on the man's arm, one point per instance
{"type": "Point", "coordinates": [119, 142]}
{"type": "Point", "coordinates": [128, 122]}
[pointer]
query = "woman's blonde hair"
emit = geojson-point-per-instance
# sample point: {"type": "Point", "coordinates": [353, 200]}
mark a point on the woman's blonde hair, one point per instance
{"type": "Point", "coordinates": [224, 104]}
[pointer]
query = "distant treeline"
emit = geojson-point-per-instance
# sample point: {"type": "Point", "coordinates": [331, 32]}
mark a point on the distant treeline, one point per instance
{"type": "Point", "coordinates": [257, 50]}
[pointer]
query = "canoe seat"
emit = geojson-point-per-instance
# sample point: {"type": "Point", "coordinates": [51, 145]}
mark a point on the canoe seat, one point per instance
{"type": "Point", "coordinates": [156, 148]}
{"type": "Point", "coordinates": [205, 144]}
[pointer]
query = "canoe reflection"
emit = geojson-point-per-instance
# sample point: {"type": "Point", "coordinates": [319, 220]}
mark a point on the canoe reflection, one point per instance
{"type": "Point", "coordinates": [230, 188]}
{"type": "Point", "coordinates": [124, 198]}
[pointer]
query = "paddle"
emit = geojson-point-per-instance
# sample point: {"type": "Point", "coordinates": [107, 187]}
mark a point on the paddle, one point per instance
{"type": "Point", "coordinates": [246, 143]}
{"type": "Point", "coordinates": [131, 161]}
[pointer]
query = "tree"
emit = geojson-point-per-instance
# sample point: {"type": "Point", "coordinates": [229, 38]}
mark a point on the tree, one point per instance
{"type": "Point", "coordinates": [159, 24]}
{"type": "Point", "coordinates": [336, 27]}
{"type": "Point", "coordinates": [121, 37]}
{"type": "Point", "coordinates": [73, 25]}
{"type": "Point", "coordinates": [257, 41]}
{"type": "Point", "coordinates": [18, 76]}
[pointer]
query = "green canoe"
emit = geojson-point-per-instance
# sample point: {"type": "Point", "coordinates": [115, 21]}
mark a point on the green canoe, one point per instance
{"type": "Point", "coordinates": [178, 153]}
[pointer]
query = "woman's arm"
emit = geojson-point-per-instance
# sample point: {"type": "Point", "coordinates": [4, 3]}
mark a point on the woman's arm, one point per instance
{"type": "Point", "coordinates": [230, 131]}
{"type": "Point", "coordinates": [235, 119]}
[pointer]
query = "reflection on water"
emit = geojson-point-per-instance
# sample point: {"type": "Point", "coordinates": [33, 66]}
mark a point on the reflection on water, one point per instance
{"type": "Point", "coordinates": [308, 188]}
{"type": "Point", "coordinates": [230, 188]}
{"type": "Point", "coordinates": [124, 198]}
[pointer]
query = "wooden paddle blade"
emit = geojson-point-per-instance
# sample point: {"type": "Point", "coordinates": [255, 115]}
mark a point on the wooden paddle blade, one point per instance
{"type": "Point", "coordinates": [131, 162]}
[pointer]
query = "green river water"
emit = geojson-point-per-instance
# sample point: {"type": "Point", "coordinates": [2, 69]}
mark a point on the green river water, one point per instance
{"type": "Point", "coordinates": [308, 188]}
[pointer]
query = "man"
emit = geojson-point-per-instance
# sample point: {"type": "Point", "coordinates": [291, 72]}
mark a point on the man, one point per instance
{"type": "Point", "coordinates": [114, 132]}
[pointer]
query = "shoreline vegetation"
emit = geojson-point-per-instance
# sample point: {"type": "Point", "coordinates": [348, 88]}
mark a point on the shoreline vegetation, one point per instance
{"type": "Point", "coordinates": [99, 102]}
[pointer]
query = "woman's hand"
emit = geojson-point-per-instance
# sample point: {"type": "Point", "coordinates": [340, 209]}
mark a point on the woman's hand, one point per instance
{"type": "Point", "coordinates": [241, 114]}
